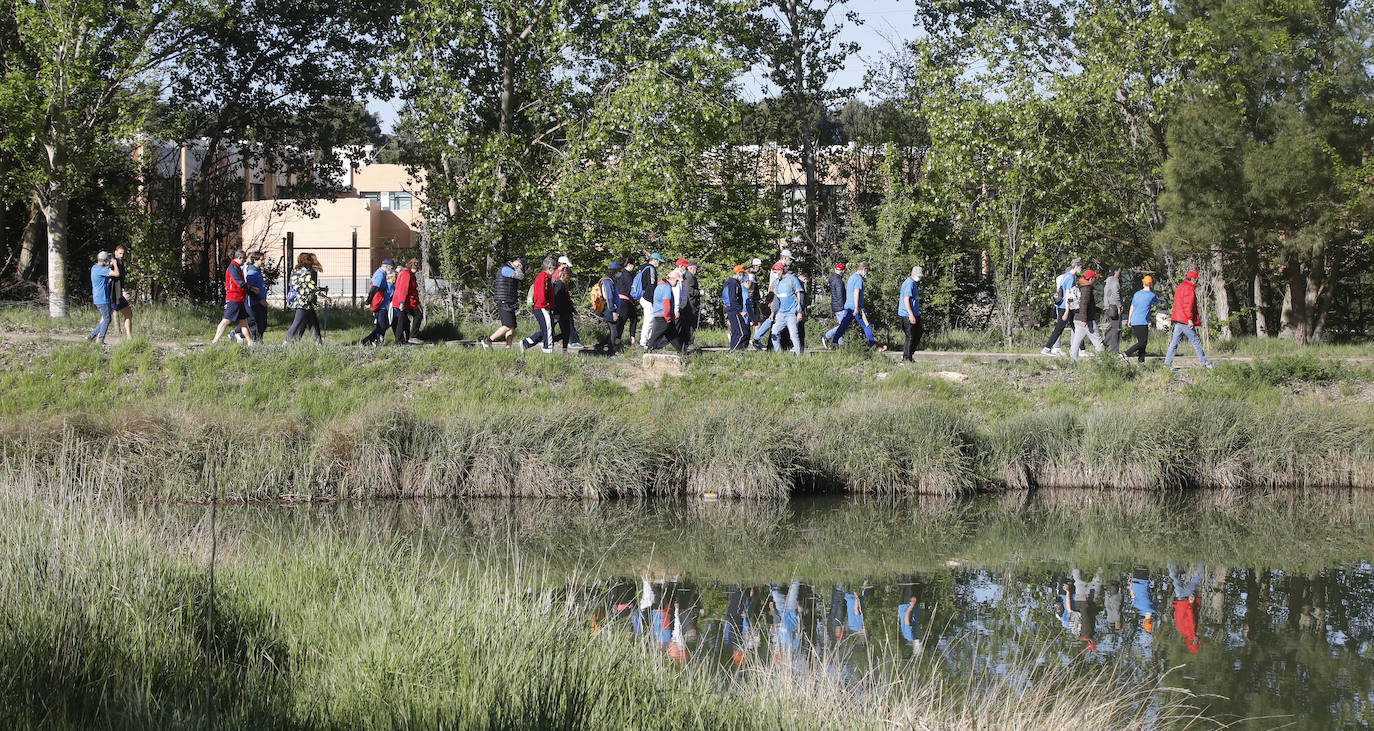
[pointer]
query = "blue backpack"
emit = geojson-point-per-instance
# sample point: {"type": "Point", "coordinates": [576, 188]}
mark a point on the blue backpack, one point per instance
{"type": "Point", "coordinates": [637, 289]}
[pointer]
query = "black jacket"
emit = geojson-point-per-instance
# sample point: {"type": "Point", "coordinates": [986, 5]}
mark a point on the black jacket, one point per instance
{"type": "Point", "coordinates": [562, 299]}
{"type": "Point", "coordinates": [690, 291]}
{"type": "Point", "coordinates": [1087, 304]}
{"type": "Point", "coordinates": [836, 292]}
{"type": "Point", "coordinates": [648, 279]}
{"type": "Point", "coordinates": [624, 279]}
{"type": "Point", "coordinates": [507, 290]}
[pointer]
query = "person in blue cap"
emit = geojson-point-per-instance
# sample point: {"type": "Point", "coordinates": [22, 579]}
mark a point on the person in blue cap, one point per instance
{"type": "Point", "coordinates": [643, 290]}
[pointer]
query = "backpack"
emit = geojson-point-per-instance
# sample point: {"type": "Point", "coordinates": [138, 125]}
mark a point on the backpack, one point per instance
{"type": "Point", "coordinates": [1058, 291]}
{"type": "Point", "coordinates": [598, 297]}
{"type": "Point", "coordinates": [1074, 296]}
{"type": "Point", "coordinates": [637, 289]}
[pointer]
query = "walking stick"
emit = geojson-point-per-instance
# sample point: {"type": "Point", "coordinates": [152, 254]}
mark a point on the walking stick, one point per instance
{"type": "Point", "coordinates": [324, 317]}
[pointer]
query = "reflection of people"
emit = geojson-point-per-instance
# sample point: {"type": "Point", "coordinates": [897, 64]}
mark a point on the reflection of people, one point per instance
{"type": "Point", "coordinates": [836, 618]}
{"type": "Point", "coordinates": [1186, 603]}
{"type": "Point", "coordinates": [738, 631]}
{"type": "Point", "coordinates": [1141, 599]}
{"type": "Point", "coordinates": [1111, 604]}
{"type": "Point", "coordinates": [787, 617]}
{"type": "Point", "coordinates": [1085, 594]}
{"type": "Point", "coordinates": [854, 611]}
{"type": "Point", "coordinates": [909, 621]}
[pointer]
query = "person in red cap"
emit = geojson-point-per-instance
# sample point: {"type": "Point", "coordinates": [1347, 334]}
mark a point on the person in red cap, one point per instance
{"type": "Point", "coordinates": [1185, 320]}
{"type": "Point", "coordinates": [837, 292]}
{"type": "Point", "coordinates": [1186, 603]}
{"type": "Point", "coordinates": [1085, 317]}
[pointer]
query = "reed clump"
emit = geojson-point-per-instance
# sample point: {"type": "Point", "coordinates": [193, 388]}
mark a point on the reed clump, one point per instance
{"type": "Point", "coordinates": [329, 423]}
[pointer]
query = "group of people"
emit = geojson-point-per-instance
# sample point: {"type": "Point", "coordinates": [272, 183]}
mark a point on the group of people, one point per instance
{"type": "Point", "coordinates": [1076, 301]}
{"type": "Point", "coordinates": [1082, 601]}
{"type": "Point", "coordinates": [663, 305]}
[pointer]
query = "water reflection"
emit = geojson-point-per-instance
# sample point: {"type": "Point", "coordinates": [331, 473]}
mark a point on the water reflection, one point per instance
{"type": "Point", "coordinates": [1266, 603]}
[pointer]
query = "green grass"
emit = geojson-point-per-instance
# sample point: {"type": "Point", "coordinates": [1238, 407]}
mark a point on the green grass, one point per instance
{"type": "Point", "coordinates": [304, 422]}
{"type": "Point", "coordinates": [113, 619]}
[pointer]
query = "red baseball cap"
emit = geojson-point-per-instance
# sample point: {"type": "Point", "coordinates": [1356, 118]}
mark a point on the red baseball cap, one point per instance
{"type": "Point", "coordinates": [777, 266]}
{"type": "Point", "coordinates": [1191, 275]}
{"type": "Point", "coordinates": [840, 266]}
{"type": "Point", "coordinates": [681, 263]}
{"type": "Point", "coordinates": [1090, 274]}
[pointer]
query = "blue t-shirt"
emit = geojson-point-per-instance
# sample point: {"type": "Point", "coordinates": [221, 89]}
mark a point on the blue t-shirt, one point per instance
{"type": "Point", "coordinates": [909, 630]}
{"type": "Point", "coordinates": [851, 605]}
{"type": "Point", "coordinates": [1065, 284]}
{"type": "Point", "coordinates": [379, 278]}
{"type": "Point", "coordinates": [100, 284]}
{"type": "Point", "coordinates": [786, 291]}
{"type": "Point", "coordinates": [1143, 302]}
{"type": "Point", "coordinates": [748, 294]}
{"type": "Point", "coordinates": [663, 291]}
{"type": "Point", "coordinates": [912, 292]}
{"type": "Point", "coordinates": [1140, 596]}
{"type": "Point", "coordinates": [253, 276]}
{"type": "Point", "coordinates": [854, 292]}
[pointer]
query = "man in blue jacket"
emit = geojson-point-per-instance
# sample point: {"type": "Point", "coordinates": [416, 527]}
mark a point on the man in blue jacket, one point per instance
{"type": "Point", "coordinates": [256, 300]}
{"type": "Point", "coordinates": [663, 314]}
{"type": "Point", "coordinates": [100, 295]}
{"type": "Point", "coordinates": [909, 312]}
{"type": "Point", "coordinates": [611, 312]}
{"type": "Point", "coordinates": [733, 298]}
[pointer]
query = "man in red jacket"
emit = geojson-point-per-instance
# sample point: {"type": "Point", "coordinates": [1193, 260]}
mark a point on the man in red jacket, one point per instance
{"type": "Point", "coordinates": [542, 294]}
{"type": "Point", "coordinates": [406, 304]}
{"type": "Point", "coordinates": [1185, 319]}
{"type": "Point", "coordinates": [236, 291]}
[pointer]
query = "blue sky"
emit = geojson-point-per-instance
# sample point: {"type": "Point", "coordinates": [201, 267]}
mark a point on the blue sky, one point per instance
{"type": "Point", "coordinates": [885, 23]}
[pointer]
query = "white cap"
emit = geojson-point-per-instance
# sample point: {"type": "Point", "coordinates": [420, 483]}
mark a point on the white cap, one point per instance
{"type": "Point", "coordinates": [917, 273]}
{"type": "Point", "coordinates": [565, 261]}
{"type": "Point", "coordinates": [786, 254]}
{"type": "Point", "coordinates": [756, 263]}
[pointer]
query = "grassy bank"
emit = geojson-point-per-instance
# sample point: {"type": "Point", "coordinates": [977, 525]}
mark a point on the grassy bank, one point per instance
{"type": "Point", "coordinates": [117, 622]}
{"type": "Point", "coordinates": [139, 422]}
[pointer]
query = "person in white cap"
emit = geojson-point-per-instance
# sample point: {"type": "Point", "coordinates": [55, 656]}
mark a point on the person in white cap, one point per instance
{"type": "Point", "coordinates": [750, 284]}
{"type": "Point", "coordinates": [100, 294]}
{"type": "Point", "coordinates": [909, 312]}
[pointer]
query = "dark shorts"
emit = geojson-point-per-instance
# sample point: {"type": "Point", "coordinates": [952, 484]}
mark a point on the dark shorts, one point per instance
{"type": "Point", "coordinates": [121, 304]}
{"type": "Point", "coordinates": [235, 311]}
{"type": "Point", "coordinates": [507, 315]}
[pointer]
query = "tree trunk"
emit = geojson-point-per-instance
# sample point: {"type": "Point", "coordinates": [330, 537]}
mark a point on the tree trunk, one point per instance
{"type": "Point", "coordinates": [1223, 303]}
{"type": "Point", "coordinates": [28, 245]}
{"type": "Point", "coordinates": [805, 111]}
{"type": "Point", "coordinates": [1257, 290]}
{"type": "Point", "coordinates": [1318, 298]}
{"type": "Point", "coordinates": [1295, 301]}
{"type": "Point", "coordinates": [55, 212]}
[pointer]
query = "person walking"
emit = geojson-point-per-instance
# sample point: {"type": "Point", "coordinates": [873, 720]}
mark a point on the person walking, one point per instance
{"type": "Point", "coordinates": [750, 283]}
{"type": "Point", "coordinates": [787, 295]}
{"type": "Point", "coordinates": [564, 274]}
{"type": "Point", "coordinates": [305, 282]}
{"type": "Point", "coordinates": [610, 309]}
{"type": "Point", "coordinates": [405, 304]}
{"type": "Point", "coordinates": [119, 277]}
{"type": "Point", "coordinates": [379, 302]}
{"type": "Point", "coordinates": [836, 284]}
{"type": "Point", "coordinates": [235, 300]}
{"type": "Point", "coordinates": [542, 294]}
{"type": "Point", "coordinates": [732, 297]}
{"type": "Point", "coordinates": [1142, 307]}
{"type": "Point", "coordinates": [1111, 305]}
{"type": "Point", "coordinates": [853, 312]}
{"type": "Point", "coordinates": [629, 309]}
{"type": "Point", "coordinates": [664, 328]}
{"type": "Point", "coordinates": [909, 312]}
{"type": "Point", "coordinates": [691, 308]}
{"type": "Point", "coordinates": [507, 294]}
{"type": "Point", "coordinates": [780, 267]}
{"type": "Point", "coordinates": [1085, 316]}
{"type": "Point", "coordinates": [563, 306]}
{"type": "Point", "coordinates": [257, 297]}
{"type": "Point", "coordinates": [643, 291]}
{"type": "Point", "coordinates": [1063, 284]}
{"type": "Point", "coordinates": [1185, 319]}
{"type": "Point", "coordinates": [100, 295]}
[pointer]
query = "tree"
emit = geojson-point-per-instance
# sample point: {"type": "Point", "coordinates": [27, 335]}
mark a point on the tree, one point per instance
{"type": "Point", "coordinates": [74, 93]}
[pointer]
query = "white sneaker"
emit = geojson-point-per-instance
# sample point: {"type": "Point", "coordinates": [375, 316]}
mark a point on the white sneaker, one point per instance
{"type": "Point", "coordinates": [547, 350]}
{"type": "Point", "coordinates": [486, 344]}
{"type": "Point", "coordinates": [1046, 351]}
{"type": "Point", "coordinates": [576, 346]}
{"type": "Point", "coordinates": [1056, 351]}
{"type": "Point", "coordinates": [1087, 354]}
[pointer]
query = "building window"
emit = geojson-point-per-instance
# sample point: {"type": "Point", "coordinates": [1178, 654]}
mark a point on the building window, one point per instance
{"type": "Point", "coordinates": [400, 201]}
{"type": "Point", "coordinates": [257, 191]}
{"type": "Point", "coordinates": [371, 195]}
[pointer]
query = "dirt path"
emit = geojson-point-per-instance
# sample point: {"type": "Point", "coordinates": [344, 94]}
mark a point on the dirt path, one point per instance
{"type": "Point", "coordinates": [956, 357]}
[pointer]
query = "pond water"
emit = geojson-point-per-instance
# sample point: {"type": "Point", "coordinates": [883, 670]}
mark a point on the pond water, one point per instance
{"type": "Point", "coordinates": [1262, 605]}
